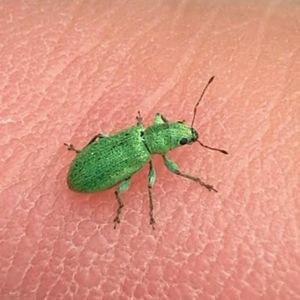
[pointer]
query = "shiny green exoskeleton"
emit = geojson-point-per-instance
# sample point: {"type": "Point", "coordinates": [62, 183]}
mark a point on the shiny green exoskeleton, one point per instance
{"type": "Point", "coordinates": [108, 160]}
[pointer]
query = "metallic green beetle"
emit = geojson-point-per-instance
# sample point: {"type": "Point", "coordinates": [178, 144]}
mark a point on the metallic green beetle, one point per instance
{"type": "Point", "coordinates": [108, 160]}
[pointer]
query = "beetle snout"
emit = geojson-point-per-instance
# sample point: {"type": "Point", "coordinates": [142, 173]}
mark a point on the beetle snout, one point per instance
{"type": "Point", "coordinates": [195, 134]}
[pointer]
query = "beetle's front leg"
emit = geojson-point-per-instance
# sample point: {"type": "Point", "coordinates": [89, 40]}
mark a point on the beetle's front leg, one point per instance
{"type": "Point", "coordinates": [151, 180]}
{"type": "Point", "coordinates": [174, 169]}
{"type": "Point", "coordinates": [159, 119]}
{"type": "Point", "coordinates": [122, 187]}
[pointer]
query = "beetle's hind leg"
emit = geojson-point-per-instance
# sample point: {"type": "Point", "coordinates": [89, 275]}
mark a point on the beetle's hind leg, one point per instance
{"type": "Point", "coordinates": [174, 169]}
{"type": "Point", "coordinates": [122, 187]}
{"type": "Point", "coordinates": [151, 180]}
{"type": "Point", "coordinates": [71, 147]}
{"type": "Point", "coordinates": [98, 136]}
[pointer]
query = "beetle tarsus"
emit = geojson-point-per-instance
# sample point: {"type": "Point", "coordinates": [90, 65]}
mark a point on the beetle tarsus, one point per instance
{"type": "Point", "coordinates": [206, 185]}
{"type": "Point", "coordinates": [120, 206]}
{"type": "Point", "coordinates": [71, 147]}
{"type": "Point", "coordinates": [174, 169]}
{"type": "Point", "coordinates": [116, 221]}
{"type": "Point", "coordinates": [209, 187]}
{"type": "Point", "coordinates": [152, 222]}
{"type": "Point", "coordinates": [139, 118]}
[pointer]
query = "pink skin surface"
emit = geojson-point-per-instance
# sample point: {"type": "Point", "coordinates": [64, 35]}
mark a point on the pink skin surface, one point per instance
{"type": "Point", "coordinates": [71, 70]}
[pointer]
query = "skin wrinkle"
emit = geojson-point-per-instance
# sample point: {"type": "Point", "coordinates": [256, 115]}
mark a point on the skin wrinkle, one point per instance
{"type": "Point", "coordinates": [43, 274]}
{"type": "Point", "coordinates": [146, 268]}
{"type": "Point", "coordinates": [30, 264]}
{"type": "Point", "coordinates": [93, 108]}
{"type": "Point", "coordinates": [12, 266]}
{"type": "Point", "coordinates": [56, 281]}
{"type": "Point", "coordinates": [267, 237]}
{"type": "Point", "coordinates": [65, 68]}
{"type": "Point", "coordinates": [45, 267]}
{"type": "Point", "coordinates": [174, 78]}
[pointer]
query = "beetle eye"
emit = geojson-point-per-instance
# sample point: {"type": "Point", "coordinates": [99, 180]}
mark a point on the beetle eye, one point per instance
{"type": "Point", "coordinates": [183, 141]}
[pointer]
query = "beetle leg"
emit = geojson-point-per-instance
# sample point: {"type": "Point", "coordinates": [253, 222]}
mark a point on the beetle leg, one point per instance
{"type": "Point", "coordinates": [71, 147]}
{"type": "Point", "coordinates": [99, 135]}
{"type": "Point", "coordinates": [139, 118]}
{"type": "Point", "coordinates": [174, 169]}
{"type": "Point", "coordinates": [122, 187]}
{"type": "Point", "coordinates": [159, 119]}
{"type": "Point", "coordinates": [151, 180]}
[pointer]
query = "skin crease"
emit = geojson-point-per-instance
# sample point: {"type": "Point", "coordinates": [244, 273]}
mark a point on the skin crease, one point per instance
{"type": "Point", "coordinates": [71, 70]}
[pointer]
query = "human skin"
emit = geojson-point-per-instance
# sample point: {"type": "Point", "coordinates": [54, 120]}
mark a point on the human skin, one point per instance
{"type": "Point", "coordinates": [70, 70]}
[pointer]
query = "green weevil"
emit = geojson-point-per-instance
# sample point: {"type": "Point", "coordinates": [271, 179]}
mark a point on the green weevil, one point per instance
{"type": "Point", "coordinates": [109, 160]}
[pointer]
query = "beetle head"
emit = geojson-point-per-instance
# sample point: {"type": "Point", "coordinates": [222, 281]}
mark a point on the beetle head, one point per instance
{"type": "Point", "coordinates": [189, 135]}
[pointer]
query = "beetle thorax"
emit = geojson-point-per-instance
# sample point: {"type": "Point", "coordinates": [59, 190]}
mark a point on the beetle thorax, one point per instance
{"type": "Point", "coordinates": [160, 138]}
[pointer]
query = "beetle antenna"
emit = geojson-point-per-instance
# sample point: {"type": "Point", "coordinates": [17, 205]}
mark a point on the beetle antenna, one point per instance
{"type": "Point", "coordinates": [211, 148]}
{"type": "Point", "coordinates": [203, 92]}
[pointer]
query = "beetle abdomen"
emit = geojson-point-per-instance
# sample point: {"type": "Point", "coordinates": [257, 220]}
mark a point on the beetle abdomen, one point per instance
{"type": "Point", "coordinates": [108, 161]}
